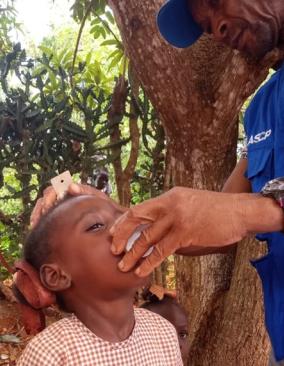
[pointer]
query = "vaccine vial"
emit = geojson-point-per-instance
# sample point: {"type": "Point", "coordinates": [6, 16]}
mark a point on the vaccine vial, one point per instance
{"type": "Point", "coordinates": [135, 236]}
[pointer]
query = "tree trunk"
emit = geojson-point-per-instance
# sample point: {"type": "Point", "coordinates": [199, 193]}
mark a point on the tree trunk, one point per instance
{"type": "Point", "coordinates": [198, 94]}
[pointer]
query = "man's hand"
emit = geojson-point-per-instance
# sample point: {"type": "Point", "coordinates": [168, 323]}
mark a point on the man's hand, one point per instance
{"type": "Point", "coordinates": [185, 218]}
{"type": "Point", "coordinates": [49, 199]}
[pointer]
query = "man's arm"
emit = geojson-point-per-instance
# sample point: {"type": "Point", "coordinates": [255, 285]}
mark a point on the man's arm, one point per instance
{"type": "Point", "coordinates": [236, 183]}
{"type": "Point", "coordinates": [184, 218]}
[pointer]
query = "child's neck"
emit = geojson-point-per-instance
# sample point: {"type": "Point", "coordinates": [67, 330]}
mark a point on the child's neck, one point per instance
{"type": "Point", "coordinates": [112, 320]}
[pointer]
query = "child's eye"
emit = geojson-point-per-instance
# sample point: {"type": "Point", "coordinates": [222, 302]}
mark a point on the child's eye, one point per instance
{"type": "Point", "coordinates": [97, 226]}
{"type": "Point", "coordinates": [183, 335]}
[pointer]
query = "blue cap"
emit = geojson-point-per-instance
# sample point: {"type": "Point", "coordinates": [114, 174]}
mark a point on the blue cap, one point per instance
{"type": "Point", "coordinates": [177, 25]}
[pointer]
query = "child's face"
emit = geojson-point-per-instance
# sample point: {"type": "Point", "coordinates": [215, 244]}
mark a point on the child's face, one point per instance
{"type": "Point", "coordinates": [178, 318]}
{"type": "Point", "coordinates": [81, 247]}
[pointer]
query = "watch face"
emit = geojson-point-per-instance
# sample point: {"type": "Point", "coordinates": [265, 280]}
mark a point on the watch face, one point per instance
{"type": "Point", "coordinates": [275, 189]}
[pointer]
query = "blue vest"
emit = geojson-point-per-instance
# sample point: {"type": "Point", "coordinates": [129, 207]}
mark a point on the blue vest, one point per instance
{"type": "Point", "coordinates": [264, 126]}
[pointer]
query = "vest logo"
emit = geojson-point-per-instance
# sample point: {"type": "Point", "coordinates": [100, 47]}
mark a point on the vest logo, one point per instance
{"type": "Point", "coordinates": [259, 137]}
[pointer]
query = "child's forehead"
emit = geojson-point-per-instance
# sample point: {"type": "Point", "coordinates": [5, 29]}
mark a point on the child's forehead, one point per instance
{"type": "Point", "coordinates": [76, 207]}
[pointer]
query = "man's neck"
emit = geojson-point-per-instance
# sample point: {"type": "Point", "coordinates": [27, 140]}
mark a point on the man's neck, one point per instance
{"type": "Point", "coordinates": [112, 320]}
{"type": "Point", "coordinates": [280, 11]}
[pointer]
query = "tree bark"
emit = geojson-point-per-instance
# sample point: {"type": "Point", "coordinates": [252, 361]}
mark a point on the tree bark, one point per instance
{"type": "Point", "coordinates": [198, 93]}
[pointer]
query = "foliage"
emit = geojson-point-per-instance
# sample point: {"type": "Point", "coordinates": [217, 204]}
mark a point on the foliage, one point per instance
{"type": "Point", "coordinates": [54, 116]}
{"type": "Point", "coordinates": [8, 22]}
{"type": "Point", "coordinates": [46, 127]}
{"type": "Point", "coordinates": [148, 180]}
{"type": "Point", "coordinates": [102, 27]}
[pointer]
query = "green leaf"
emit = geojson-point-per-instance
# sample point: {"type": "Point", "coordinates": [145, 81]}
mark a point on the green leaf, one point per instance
{"type": "Point", "coordinates": [110, 17]}
{"type": "Point", "coordinates": [46, 126]}
{"type": "Point", "coordinates": [110, 42]}
{"type": "Point", "coordinates": [115, 61]}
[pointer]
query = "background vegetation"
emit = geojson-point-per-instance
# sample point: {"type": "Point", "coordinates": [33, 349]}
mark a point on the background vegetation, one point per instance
{"type": "Point", "coordinates": [73, 104]}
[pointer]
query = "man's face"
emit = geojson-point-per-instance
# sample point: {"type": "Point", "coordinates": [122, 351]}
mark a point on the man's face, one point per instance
{"type": "Point", "coordinates": [251, 26]}
{"type": "Point", "coordinates": [82, 247]}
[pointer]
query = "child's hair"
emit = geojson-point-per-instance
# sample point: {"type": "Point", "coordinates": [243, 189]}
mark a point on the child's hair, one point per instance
{"type": "Point", "coordinates": [38, 244]}
{"type": "Point", "coordinates": [27, 287]}
{"type": "Point", "coordinates": [156, 295]}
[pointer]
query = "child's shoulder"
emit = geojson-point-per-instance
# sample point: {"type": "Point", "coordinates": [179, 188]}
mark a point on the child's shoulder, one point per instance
{"type": "Point", "coordinates": [54, 331]}
{"type": "Point", "coordinates": [158, 331]}
{"type": "Point", "coordinates": [47, 346]}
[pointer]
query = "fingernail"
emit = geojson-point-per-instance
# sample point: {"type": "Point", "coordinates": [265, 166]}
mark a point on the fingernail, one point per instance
{"type": "Point", "coordinates": [121, 265]}
{"type": "Point", "coordinates": [138, 271]}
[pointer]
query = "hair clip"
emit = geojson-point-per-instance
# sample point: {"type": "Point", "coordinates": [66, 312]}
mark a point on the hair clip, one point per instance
{"type": "Point", "coordinates": [60, 183]}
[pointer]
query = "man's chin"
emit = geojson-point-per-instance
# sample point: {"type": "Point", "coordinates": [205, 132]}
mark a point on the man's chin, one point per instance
{"type": "Point", "coordinates": [254, 47]}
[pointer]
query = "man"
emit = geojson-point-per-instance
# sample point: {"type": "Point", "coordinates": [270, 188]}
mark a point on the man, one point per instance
{"type": "Point", "coordinates": [264, 124]}
{"type": "Point", "coordinates": [180, 216]}
{"type": "Point", "coordinates": [182, 213]}
{"type": "Point", "coordinates": [253, 27]}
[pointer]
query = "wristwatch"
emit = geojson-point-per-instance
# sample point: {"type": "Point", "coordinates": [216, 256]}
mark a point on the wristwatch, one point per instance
{"type": "Point", "coordinates": [275, 189]}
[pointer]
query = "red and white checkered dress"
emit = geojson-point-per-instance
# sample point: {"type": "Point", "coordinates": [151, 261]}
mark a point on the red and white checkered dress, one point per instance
{"type": "Point", "coordinates": [69, 342]}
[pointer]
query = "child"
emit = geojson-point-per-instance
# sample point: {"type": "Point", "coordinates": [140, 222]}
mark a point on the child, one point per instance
{"type": "Point", "coordinates": [70, 250]}
{"type": "Point", "coordinates": [167, 306]}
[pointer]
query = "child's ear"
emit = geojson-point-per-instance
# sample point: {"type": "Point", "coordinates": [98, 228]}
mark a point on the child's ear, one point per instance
{"type": "Point", "coordinates": [54, 278]}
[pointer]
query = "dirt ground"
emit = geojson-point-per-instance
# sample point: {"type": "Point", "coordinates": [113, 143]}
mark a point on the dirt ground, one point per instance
{"type": "Point", "coordinates": [10, 326]}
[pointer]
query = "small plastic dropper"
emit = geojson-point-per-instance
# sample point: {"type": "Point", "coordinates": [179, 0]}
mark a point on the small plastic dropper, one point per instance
{"type": "Point", "coordinates": [135, 236]}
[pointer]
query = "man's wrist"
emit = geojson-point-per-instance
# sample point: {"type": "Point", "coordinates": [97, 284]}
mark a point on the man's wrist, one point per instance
{"type": "Point", "coordinates": [260, 214]}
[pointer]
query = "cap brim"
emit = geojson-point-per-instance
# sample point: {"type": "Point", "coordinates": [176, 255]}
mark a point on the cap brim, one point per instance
{"type": "Point", "coordinates": [177, 25]}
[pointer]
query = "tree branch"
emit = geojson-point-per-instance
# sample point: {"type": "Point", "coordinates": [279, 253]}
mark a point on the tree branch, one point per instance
{"type": "Point", "coordinates": [134, 132]}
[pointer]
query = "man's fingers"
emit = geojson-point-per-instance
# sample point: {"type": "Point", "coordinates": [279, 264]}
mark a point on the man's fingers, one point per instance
{"type": "Point", "coordinates": [122, 230]}
{"type": "Point", "coordinates": [161, 251]}
{"type": "Point", "coordinates": [148, 238]}
{"type": "Point", "coordinates": [36, 213]}
{"type": "Point", "coordinates": [49, 199]}
{"type": "Point", "coordinates": [43, 205]}
{"type": "Point", "coordinates": [124, 227]}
